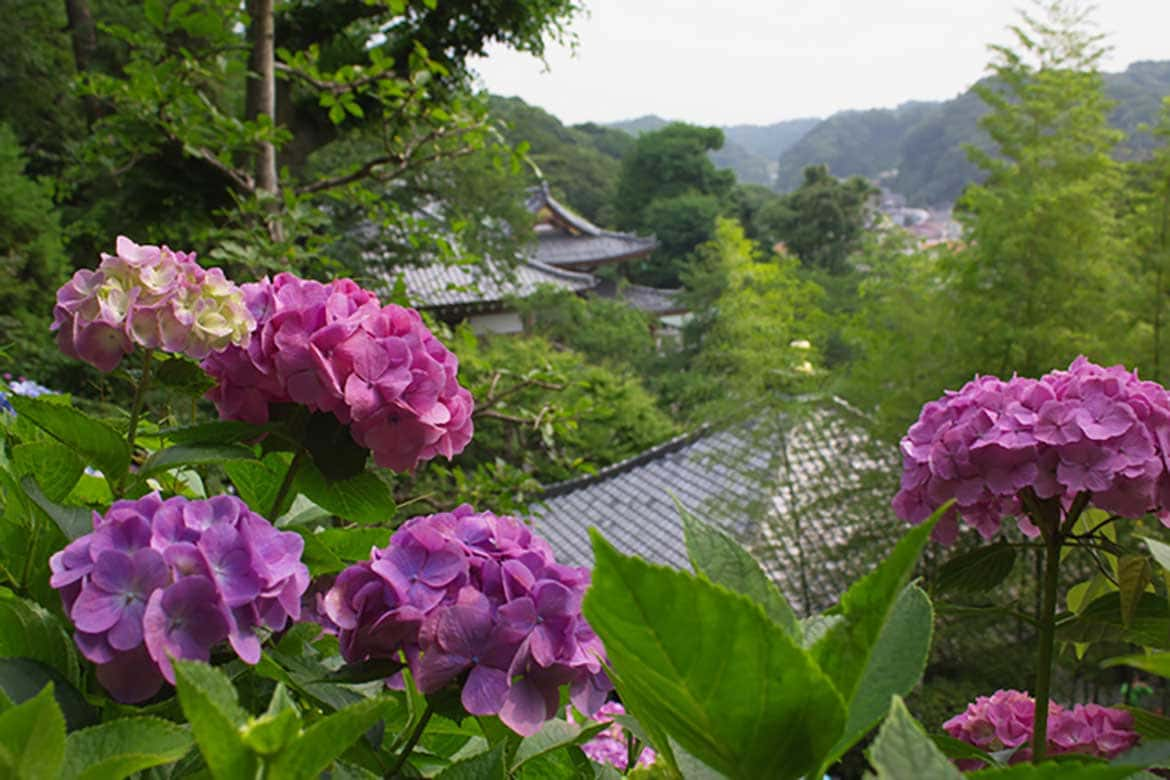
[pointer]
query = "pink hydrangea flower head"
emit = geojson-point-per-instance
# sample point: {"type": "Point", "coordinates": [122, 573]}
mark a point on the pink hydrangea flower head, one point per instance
{"type": "Point", "coordinates": [333, 348]}
{"type": "Point", "coordinates": [479, 599]}
{"type": "Point", "coordinates": [157, 580]}
{"type": "Point", "coordinates": [611, 745]}
{"type": "Point", "coordinates": [1094, 431]}
{"type": "Point", "coordinates": [151, 297]}
{"type": "Point", "coordinates": [1003, 722]}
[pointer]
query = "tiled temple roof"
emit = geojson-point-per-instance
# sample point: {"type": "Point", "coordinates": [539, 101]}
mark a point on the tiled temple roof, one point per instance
{"type": "Point", "coordinates": [485, 286]}
{"type": "Point", "coordinates": [808, 494]}
{"type": "Point", "coordinates": [566, 239]}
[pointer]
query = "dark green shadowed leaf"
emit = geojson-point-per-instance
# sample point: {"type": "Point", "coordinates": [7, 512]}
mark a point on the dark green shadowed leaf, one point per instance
{"type": "Point", "coordinates": [485, 766]}
{"type": "Point", "coordinates": [716, 555]}
{"type": "Point", "coordinates": [362, 498]}
{"type": "Point", "coordinates": [73, 521]}
{"type": "Point", "coordinates": [977, 571]}
{"type": "Point", "coordinates": [28, 630]}
{"type": "Point", "coordinates": [22, 678]}
{"type": "Point", "coordinates": [707, 667]}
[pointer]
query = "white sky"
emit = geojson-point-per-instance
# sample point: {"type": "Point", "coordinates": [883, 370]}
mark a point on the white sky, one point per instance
{"type": "Point", "coordinates": [761, 61]}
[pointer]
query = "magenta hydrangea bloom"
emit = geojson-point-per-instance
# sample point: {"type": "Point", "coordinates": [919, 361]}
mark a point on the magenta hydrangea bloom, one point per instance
{"type": "Point", "coordinates": [1003, 722]}
{"type": "Point", "coordinates": [333, 348]}
{"type": "Point", "coordinates": [1102, 433]}
{"type": "Point", "coordinates": [611, 746]}
{"type": "Point", "coordinates": [151, 297]}
{"type": "Point", "coordinates": [479, 599]}
{"type": "Point", "coordinates": [157, 580]}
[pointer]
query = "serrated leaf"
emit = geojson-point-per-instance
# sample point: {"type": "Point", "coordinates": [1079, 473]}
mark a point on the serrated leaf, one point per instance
{"type": "Point", "coordinates": [895, 666]}
{"type": "Point", "coordinates": [902, 750]}
{"type": "Point", "coordinates": [845, 649]}
{"type": "Point", "coordinates": [33, 737]}
{"type": "Point", "coordinates": [184, 376]}
{"type": "Point", "coordinates": [957, 748]}
{"type": "Point", "coordinates": [720, 558]}
{"type": "Point", "coordinates": [258, 482]}
{"type": "Point", "coordinates": [182, 455]}
{"type": "Point", "coordinates": [119, 748]}
{"type": "Point", "coordinates": [92, 439]}
{"type": "Point", "coordinates": [320, 744]}
{"type": "Point", "coordinates": [1101, 620]}
{"type": "Point", "coordinates": [977, 571]}
{"type": "Point", "coordinates": [486, 766]}
{"type": "Point", "coordinates": [209, 701]}
{"type": "Point", "coordinates": [361, 498]}
{"type": "Point", "coordinates": [555, 734]}
{"type": "Point", "coordinates": [73, 521]}
{"type": "Point", "coordinates": [55, 467]}
{"type": "Point", "coordinates": [707, 667]}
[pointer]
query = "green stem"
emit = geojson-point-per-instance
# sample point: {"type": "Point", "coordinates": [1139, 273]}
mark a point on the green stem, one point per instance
{"type": "Point", "coordinates": [415, 736]}
{"type": "Point", "coordinates": [139, 395]}
{"type": "Point", "coordinates": [1047, 622]}
{"type": "Point", "coordinates": [286, 485]}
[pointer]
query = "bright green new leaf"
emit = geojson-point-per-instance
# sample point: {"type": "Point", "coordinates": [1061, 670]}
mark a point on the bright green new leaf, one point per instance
{"type": "Point", "coordinates": [844, 651]}
{"type": "Point", "coordinates": [32, 735]}
{"type": "Point", "coordinates": [902, 750]}
{"type": "Point", "coordinates": [194, 455]}
{"type": "Point", "coordinates": [257, 482]}
{"type": "Point", "coordinates": [707, 667]}
{"type": "Point", "coordinates": [119, 748]}
{"type": "Point", "coordinates": [90, 438]}
{"type": "Point", "coordinates": [210, 704]}
{"type": "Point", "coordinates": [269, 733]}
{"type": "Point", "coordinates": [323, 742]}
{"type": "Point", "coordinates": [1160, 551]}
{"type": "Point", "coordinates": [894, 668]}
{"type": "Point", "coordinates": [716, 555]}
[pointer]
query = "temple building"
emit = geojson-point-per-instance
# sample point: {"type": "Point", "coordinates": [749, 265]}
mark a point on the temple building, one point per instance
{"type": "Point", "coordinates": [566, 251]}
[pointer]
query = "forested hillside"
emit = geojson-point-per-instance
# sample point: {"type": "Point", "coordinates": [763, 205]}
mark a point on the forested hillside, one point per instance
{"type": "Point", "coordinates": [923, 142]}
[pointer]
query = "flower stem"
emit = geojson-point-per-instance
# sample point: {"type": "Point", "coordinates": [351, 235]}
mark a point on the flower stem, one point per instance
{"type": "Point", "coordinates": [1047, 623]}
{"type": "Point", "coordinates": [139, 396]}
{"type": "Point", "coordinates": [415, 736]}
{"type": "Point", "coordinates": [286, 485]}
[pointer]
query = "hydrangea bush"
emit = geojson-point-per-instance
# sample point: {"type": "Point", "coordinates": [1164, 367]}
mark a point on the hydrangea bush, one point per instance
{"type": "Point", "coordinates": [451, 644]}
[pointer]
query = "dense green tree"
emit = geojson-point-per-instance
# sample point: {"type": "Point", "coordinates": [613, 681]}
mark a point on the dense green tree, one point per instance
{"type": "Point", "coordinates": [680, 223]}
{"type": "Point", "coordinates": [1045, 275]}
{"type": "Point", "coordinates": [822, 221]}
{"type": "Point", "coordinates": [32, 265]}
{"type": "Point", "coordinates": [668, 163]}
{"type": "Point", "coordinates": [606, 331]}
{"type": "Point", "coordinates": [757, 332]}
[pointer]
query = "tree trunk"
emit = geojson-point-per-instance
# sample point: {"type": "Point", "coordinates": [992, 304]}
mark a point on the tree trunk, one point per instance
{"type": "Point", "coordinates": [83, 33]}
{"type": "Point", "coordinates": [261, 101]}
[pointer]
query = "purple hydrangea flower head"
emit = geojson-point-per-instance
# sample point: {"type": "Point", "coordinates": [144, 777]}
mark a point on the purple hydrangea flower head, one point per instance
{"type": "Point", "coordinates": [151, 297]}
{"type": "Point", "coordinates": [1100, 433]}
{"type": "Point", "coordinates": [477, 599]}
{"type": "Point", "coordinates": [333, 348]}
{"type": "Point", "coordinates": [157, 580]}
{"type": "Point", "coordinates": [1003, 721]}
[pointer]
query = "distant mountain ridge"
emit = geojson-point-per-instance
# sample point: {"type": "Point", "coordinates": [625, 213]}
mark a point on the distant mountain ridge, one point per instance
{"type": "Point", "coordinates": [916, 149]}
{"type": "Point", "coordinates": [752, 151]}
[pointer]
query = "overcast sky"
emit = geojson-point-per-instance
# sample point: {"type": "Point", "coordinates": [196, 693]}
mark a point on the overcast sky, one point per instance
{"type": "Point", "coordinates": [761, 61]}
